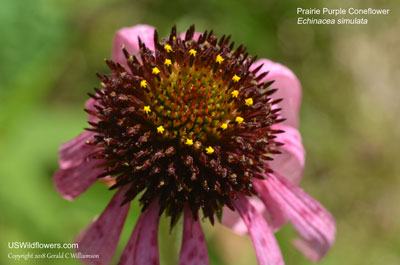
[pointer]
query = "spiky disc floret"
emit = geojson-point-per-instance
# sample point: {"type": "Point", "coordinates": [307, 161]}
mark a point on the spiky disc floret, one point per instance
{"type": "Point", "coordinates": [187, 124]}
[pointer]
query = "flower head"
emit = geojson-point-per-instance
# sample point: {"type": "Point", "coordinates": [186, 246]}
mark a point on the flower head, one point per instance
{"type": "Point", "coordinates": [188, 99]}
{"type": "Point", "coordinates": [174, 124]}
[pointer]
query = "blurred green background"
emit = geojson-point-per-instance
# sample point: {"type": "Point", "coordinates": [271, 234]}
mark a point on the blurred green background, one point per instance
{"type": "Point", "coordinates": [51, 50]}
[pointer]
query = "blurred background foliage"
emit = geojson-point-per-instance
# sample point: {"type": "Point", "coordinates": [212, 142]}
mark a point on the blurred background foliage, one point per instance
{"type": "Point", "coordinates": [51, 50]}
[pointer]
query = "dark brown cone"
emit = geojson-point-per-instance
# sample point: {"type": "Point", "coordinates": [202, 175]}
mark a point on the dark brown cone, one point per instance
{"type": "Point", "coordinates": [161, 124]}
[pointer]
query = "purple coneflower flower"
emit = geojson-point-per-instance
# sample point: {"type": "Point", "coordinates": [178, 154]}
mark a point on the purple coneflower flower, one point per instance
{"type": "Point", "coordinates": [197, 128]}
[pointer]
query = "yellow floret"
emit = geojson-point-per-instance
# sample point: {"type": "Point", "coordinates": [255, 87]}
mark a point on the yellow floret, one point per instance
{"type": "Point", "coordinates": [209, 150]}
{"type": "Point", "coordinates": [192, 52]}
{"type": "Point", "coordinates": [248, 101]}
{"type": "Point", "coordinates": [224, 126]}
{"type": "Point", "coordinates": [168, 48]}
{"type": "Point", "coordinates": [236, 78]}
{"type": "Point", "coordinates": [160, 129]}
{"type": "Point", "coordinates": [143, 83]}
{"type": "Point", "coordinates": [167, 62]}
{"type": "Point", "coordinates": [239, 119]}
{"type": "Point", "coordinates": [155, 71]}
{"type": "Point", "coordinates": [147, 109]}
{"type": "Point", "coordinates": [219, 59]}
{"type": "Point", "coordinates": [235, 93]}
{"type": "Point", "coordinates": [189, 142]}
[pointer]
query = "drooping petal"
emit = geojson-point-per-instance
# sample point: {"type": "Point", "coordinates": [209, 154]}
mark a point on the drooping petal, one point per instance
{"type": "Point", "coordinates": [194, 248]}
{"type": "Point", "coordinates": [290, 163]}
{"type": "Point", "coordinates": [276, 217]}
{"type": "Point", "coordinates": [102, 235]}
{"type": "Point", "coordinates": [289, 89]}
{"type": "Point", "coordinates": [129, 37]}
{"type": "Point", "coordinates": [73, 181]}
{"type": "Point", "coordinates": [232, 219]}
{"type": "Point", "coordinates": [142, 247]}
{"type": "Point", "coordinates": [312, 221]}
{"type": "Point", "coordinates": [269, 209]}
{"type": "Point", "coordinates": [75, 151]}
{"type": "Point", "coordinates": [265, 245]}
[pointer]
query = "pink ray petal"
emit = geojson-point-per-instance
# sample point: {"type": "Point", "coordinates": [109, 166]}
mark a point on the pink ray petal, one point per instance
{"type": "Point", "coordinates": [73, 181]}
{"type": "Point", "coordinates": [276, 217]}
{"type": "Point", "coordinates": [265, 245]}
{"type": "Point", "coordinates": [142, 247]}
{"type": "Point", "coordinates": [289, 89]}
{"type": "Point", "coordinates": [270, 210]}
{"type": "Point", "coordinates": [194, 248]}
{"type": "Point", "coordinates": [232, 219]}
{"type": "Point", "coordinates": [102, 235]}
{"type": "Point", "coordinates": [89, 105]}
{"type": "Point", "coordinates": [129, 38]}
{"type": "Point", "coordinates": [75, 151]}
{"type": "Point", "coordinates": [196, 35]}
{"type": "Point", "coordinates": [312, 221]}
{"type": "Point", "coordinates": [290, 163]}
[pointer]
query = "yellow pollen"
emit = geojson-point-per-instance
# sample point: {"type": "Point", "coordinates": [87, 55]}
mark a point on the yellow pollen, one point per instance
{"type": "Point", "coordinates": [173, 38]}
{"type": "Point", "coordinates": [168, 48]}
{"type": "Point", "coordinates": [219, 59]}
{"type": "Point", "coordinates": [156, 71]}
{"type": "Point", "coordinates": [167, 62]}
{"type": "Point", "coordinates": [192, 52]}
{"type": "Point", "coordinates": [189, 142]}
{"type": "Point", "coordinates": [235, 78]}
{"type": "Point", "coordinates": [224, 126]}
{"type": "Point", "coordinates": [239, 119]}
{"type": "Point", "coordinates": [147, 109]}
{"type": "Point", "coordinates": [248, 101]}
{"type": "Point", "coordinates": [143, 83]}
{"type": "Point", "coordinates": [160, 129]}
{"type": "Point", "coordinates": [209, 150]}
{"type": "Point", "coordinates": [235, 93]}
